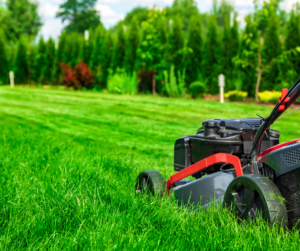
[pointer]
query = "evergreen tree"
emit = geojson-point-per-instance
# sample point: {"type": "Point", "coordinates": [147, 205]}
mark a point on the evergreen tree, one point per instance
{"type": "Point", "coordinates": [40, 61]}
{"type": "Point", "coordinates": [234, 48]}
{"type": "Point", "coordinates": [211, 57]}
{"type": "Point", "coordinates": [97, 56]}
{"type": "Point", "coordinates": [222, 10]}
{"type": "Point", "coordinates": [4, 64]}
{"type": "Point", "coordinates": [132, 45]}
{"type": "Point", "coordinates": [48, 69]}
{"type": "Point", "coordinates": [139, 13]}
{"type": "Point", "coordinates": [76, 44]}
{"type": "Point", "coordinates": [81, 15]}
{"type": "Point", "coordinates": [31, 56]}
{"type": "Point", "coordinates": [98, 48]}
{"type": "Point", "coordinates": [229, 51]}
{"type": "Point", "coordinates": [162, 31]}
{"type": "Point", "coordinates": [176, 45]}
{"type": "Point", "coordinates": [59, 56]}
{"type": "Point", "coordinates": [61, 47]}
{"type": "Point", "coordinates": [161, 34]}
{"type": "Point", "coordinates": [107, 57]}
{"type": "Point", "coordinates": [290, 68]}
{"type": "Point", "coordinates": [21, 64]}
{"type": "Point", "coordinates": [71, 49]}
{"type": "Point", "coordinates": [184, 9]}
{"type": "Point", "coordinates": [193, 60]}
{"type": "Point", "coordinates": [271, 50]}
{"type": "Point", "coordinates": [120, 49]}
{"type": "Point", "coordinates": [86, 48]}
{"type": "Point", "coordinates": [249, 42]}
{"type": "Point", "coordinates": [292, 32]}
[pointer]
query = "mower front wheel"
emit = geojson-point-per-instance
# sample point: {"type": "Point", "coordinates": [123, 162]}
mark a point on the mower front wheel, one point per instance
{"type": "Point", "coordinates": [150, 182]}
{"type": "Point", "coordinates": [249, 195]}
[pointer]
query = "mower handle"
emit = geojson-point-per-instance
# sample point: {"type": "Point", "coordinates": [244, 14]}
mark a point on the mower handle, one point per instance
{"type": "Point", "coordinates": [287, 98]}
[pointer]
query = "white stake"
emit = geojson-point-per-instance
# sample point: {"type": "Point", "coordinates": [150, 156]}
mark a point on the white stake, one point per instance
{"type": "Point", "coordinates": [222, 85]}
{"type": "Point", "coordinates": [232, 16]}
{"type": "Point", "coordinates": [11, 77]}
{"type": "Point", "coordinates": [56, 42]}
{"type": "Point", "coordinates": [86, 35]}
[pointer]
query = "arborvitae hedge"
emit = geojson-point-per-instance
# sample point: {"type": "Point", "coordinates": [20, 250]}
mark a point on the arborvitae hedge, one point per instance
{"type": "Point", "coordinates": [48, 68]}
{"type": "Point", "coordinates": [247, 74]}
{"type": "Point", "coordinates": [272, 49]}
{"type": "Point", "coordinates": [133, 41]}
{"type": "Point", "coordinates": [40, 60]}
{"type": "Point", "coordinates": [176, 45]}
{"type": "Point", "coordinates": [120, 49]}
{"type": "Point", "coordinates": [226, 55]}
{"type": "Point", "coordinates": [107, 57]}
{"type": "Point", "coordinates": [193, 57]}
{"type": "Point", "coordinates": [21, 64]}
{"type": "Point", "coordinates": [210, 66]}
{"type": "Point", "coordinates": [290, 70]}
{"type": "Point", "coordinates": [97, 54]}
{"type": "Point", "coordinates": [4, 64]}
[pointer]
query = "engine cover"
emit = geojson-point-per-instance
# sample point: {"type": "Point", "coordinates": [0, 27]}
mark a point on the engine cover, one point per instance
{"type": "Point", "coordinates": [231, 136]}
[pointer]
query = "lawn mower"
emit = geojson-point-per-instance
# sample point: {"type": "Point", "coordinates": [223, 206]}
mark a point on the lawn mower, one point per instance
{"type": "Point", "coordinates": [238, 163]}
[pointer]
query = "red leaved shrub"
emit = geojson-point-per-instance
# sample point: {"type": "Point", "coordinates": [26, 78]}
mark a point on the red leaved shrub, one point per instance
{"type": "Point", "coordinates": [79, 77]}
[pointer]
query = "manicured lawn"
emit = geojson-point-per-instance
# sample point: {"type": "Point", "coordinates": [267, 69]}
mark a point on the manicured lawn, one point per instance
{"type": "Point", "coordinates": [69, 161]}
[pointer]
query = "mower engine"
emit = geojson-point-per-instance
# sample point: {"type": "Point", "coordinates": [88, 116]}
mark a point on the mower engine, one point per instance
{"type": "Point", "coordinates": [231, 136]}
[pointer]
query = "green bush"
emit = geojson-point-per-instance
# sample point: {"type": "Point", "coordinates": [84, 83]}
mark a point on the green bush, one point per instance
{"type": "Point", "coordinates": [198, 89]}
{"type": "Point", "coordinates": [236, 95]}
{"type": "Point", "coordinates": [174, 87]}
{"type": "Point", "coordinates": [122, 83]}
{"type": "Point", "coordinates": [269, 96]}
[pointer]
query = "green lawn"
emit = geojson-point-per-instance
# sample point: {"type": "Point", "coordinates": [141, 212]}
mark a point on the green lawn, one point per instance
{"type": "Point", "coordinates": [69, 161]}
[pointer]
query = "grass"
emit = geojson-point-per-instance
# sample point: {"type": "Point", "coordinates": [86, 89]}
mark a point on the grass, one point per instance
{"type": "Point", "coordinates": [69, 161]}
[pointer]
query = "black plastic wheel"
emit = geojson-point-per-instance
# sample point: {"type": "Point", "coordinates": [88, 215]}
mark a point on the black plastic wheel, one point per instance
{"type": "Point", "coordinates": [150, 182]}
{"type": "Point", "coordinates": [289, 187]}
{"type": "Point", "coordinates": [250, 195]}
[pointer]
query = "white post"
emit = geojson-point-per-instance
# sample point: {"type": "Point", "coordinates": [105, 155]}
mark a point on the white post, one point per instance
{"type": "Point", "coordinates": [232, 15]}
{"type": "Point", "coordinates": [56, 42]}
{"type": "Point", "coordinates": [222, 85]}
{"type": "Point", "coordinates": [11, 77]}
{"type": "Point", "coordinates": [86, 35]}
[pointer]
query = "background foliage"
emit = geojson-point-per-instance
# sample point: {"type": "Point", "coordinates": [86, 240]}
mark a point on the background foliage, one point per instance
{"type": "Point", "coordinates": [262, 54]}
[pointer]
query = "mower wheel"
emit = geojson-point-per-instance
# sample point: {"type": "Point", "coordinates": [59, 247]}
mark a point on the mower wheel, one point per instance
{"type": "Point", "coordinates": [150, 182]}
{"type": "Point", "coordinates": [250, 195]}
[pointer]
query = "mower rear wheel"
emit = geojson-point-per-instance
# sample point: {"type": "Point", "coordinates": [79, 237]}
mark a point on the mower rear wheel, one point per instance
{"type": "Point", "coordinates": [150, 182]}
{"type": "Point", "coordinates": [250, 195]}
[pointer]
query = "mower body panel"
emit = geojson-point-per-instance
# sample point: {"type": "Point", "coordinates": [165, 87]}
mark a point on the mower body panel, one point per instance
{"type": "Point", "coordinates": [284, 159]}
{"type": "Point", "coordinates": [204, 191]}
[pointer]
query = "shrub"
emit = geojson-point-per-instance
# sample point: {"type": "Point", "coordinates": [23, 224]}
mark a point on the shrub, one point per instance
{"type": "Point", "coordinates": [174, 87]}
{"type": "Point", "coordinates": [236, 95]}
{"type": "Point", "coordinates": [197, 89]}
{"type": "Point", "coordinates": [145, 81]}
{"type": "Point", "coordinates": [269, 96]}
{"type": "Point", "coordinates": [79, 77]}
{"type": "Point", "coordinates": [122, 83]}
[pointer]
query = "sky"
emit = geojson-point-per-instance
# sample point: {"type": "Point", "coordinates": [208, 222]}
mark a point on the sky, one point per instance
{"type": "Point", "coordinates": [111, 11]}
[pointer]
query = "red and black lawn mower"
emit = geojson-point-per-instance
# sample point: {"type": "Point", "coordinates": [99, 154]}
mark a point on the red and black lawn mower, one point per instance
{"type": "Point", "coordinates": [239, 163]}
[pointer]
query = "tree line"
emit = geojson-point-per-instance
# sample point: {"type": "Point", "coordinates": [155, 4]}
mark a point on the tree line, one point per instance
{"type": "Point", "coordinates": [263, 54]}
